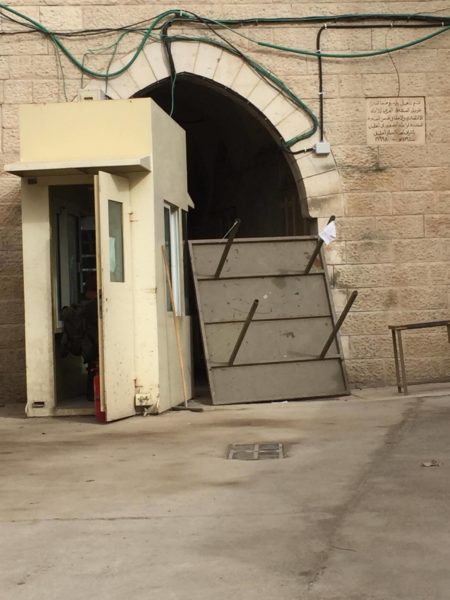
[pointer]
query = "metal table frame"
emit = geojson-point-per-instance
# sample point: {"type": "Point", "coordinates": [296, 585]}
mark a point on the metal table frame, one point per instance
{"type": "Point", "coordinates": [399, 356]}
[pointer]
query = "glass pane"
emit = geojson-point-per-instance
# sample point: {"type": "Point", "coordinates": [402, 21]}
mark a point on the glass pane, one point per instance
{"type": "Point", "coordinates": [168, 247]}
{"type": "Point", "coordinates": [175, 258]}
{"type": "Point", "coordinates": [72, 253]}
{"type": "Point", "coordinates": [188, 289]}
{"type": "Point", "coordinates": [116, 269]}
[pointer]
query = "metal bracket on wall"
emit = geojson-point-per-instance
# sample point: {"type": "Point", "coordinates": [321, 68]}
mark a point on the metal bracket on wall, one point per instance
{"type": "Point", "coordinates": [317, 249]}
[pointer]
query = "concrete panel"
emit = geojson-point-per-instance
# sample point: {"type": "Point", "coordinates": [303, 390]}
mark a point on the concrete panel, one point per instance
{"type": "Point", "coordinates": [271, 353]}
{"type": "Point", "coordinates": [279, 298]}
{"type": "Point", "coordinates": [288, 339]}
{"type": "Point", "coordinates": [254, 257]}
{"type": "Point", "coordinates": [282, 381]}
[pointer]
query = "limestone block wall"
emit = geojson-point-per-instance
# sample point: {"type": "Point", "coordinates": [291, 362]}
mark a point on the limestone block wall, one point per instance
{"type": "Point", "coordinates": [392, 201]}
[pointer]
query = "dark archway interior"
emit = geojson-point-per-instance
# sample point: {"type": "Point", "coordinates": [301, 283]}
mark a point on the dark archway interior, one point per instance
{"type": "Point", "coordinates": [236, 167]}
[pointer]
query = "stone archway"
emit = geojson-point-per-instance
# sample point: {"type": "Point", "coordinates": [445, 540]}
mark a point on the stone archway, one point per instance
{"type": "Point", "coordinates": [317, 176]}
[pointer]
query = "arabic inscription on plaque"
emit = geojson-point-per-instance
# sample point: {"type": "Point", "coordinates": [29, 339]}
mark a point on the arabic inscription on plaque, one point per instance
{"type": "Point", "coordinates": [395, 121]}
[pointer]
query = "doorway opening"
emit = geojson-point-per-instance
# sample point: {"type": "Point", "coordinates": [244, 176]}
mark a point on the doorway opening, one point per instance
{"type": "Point", "coordinates": [72, 218]}
{"type": "Point", "coordinates": [237, 168]}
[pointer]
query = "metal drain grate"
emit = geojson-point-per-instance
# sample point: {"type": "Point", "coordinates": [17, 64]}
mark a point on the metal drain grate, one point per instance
{"type": "Point", "coordinates": [255, 451]}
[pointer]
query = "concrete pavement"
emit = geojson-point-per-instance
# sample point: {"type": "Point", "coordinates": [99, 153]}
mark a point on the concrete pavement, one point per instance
{"type": "Point", "coordinates": [149, 508]}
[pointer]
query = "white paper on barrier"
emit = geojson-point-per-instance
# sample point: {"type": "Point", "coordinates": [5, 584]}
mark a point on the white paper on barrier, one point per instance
{"type": "Point", "coordinates": [328, 234]}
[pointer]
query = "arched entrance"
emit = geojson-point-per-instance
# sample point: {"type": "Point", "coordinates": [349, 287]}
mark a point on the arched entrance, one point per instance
{"type": "Point", "coordinates": [237, 166]}
{"type": "Point", "coordinates": [316, 176]}
{"type": "Point", "coordinates": [236, 123]}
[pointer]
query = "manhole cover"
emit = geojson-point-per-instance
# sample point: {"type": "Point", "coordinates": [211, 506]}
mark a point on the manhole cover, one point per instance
{"type": "Point", "coordinates": [255, 451]}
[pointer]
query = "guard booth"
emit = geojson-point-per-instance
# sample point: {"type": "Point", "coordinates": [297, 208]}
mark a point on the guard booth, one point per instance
{"type": "Point", "coordinates": [104, 191]}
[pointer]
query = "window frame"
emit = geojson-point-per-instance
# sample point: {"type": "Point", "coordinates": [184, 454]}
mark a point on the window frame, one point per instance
{"type": "Point", "coordinates": [172, 244]}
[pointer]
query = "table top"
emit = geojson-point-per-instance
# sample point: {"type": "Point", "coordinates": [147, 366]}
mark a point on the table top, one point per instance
{"type": "Point", "coordinates": [424, 325]}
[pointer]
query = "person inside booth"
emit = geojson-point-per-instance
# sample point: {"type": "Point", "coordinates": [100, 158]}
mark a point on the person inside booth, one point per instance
{"type": "Point", "coordinates": [80, 331]}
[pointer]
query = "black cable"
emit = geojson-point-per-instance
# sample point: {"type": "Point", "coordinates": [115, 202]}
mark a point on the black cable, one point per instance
{"type": "Point", "coordinates": [212, 25]}
{"type": "Point", "coordinates": [13, 20]}
{"type": "Point", "coordinates": [296, 152]}
{"type": "Point", "coordinates": [320, 68]}
{"type": "Point", "coordinates": [167, 43]}
{"type": "Point", "coordinates": [132, 28]}
{"type": "Point", "coordinates": [320, 60]}
{"type": "Point", "coordinates": [239, 53]}
{"type": "Point", "coordinates": [345, 21]}
{"type": "Point", "coordinates": [192, 18]}
{"type": "Point", "coordinates": [392, 17]}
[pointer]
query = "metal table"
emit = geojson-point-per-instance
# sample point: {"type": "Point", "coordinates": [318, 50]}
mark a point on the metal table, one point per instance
{"type": "Point", "coordinates": [400, 371]}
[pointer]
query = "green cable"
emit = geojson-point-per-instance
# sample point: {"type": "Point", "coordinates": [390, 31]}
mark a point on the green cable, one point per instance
{"type": "Point", "coordinates": [366, 54]}
{"type": "Point", "coordinates": [189, 16]}
{"type": "Point", "coordinates": [260, 69]}
{"type": "Point", "coordinates": [269, 75]}
{"type": "Point", "coordinates": [356, 54]}
{"type": "Point", "coordinates": [75, 61]}
{"type": "Point", "coordinates": [90, 51]}
{"type": "Point", "coordinates": [113, 56]}
{"type": "Point", "coordinates": [331, 54]}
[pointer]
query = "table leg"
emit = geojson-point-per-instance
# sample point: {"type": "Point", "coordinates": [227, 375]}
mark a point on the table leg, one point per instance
{"type": "Point", "coordinates": [402, 362]}
{"type": "Point", "coordinates": [397, 369]}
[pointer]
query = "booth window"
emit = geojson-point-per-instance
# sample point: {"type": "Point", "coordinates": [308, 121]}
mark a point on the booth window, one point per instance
{"type": "Point", "coordinates": [172, 241]}
{"type": "Point", "coordinates": [115, 217]}
{"type": "Point", "coordinates": [67, 258]}
{"type": "Point", "coordinates": [186, 266]}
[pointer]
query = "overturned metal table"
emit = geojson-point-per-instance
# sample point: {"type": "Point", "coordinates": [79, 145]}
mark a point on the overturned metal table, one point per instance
{"type": "Point", "coordinates": [399, 357]}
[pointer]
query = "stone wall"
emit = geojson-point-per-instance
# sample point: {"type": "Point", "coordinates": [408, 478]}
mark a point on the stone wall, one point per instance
{"type": "Point", "coordinates": [393, 216]}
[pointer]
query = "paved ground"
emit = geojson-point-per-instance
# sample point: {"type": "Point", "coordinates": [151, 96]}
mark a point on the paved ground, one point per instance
{"type": "Point", "coordinates": [148, 508]}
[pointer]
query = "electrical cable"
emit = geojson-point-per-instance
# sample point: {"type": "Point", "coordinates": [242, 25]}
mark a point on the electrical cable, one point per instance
{"type": "Point", "coordinates": [399, 84]}
{"type": "Point", "coordinates": [61, 69]}
{"type": "Point", "coordinates": [320, 55]}
{"type": "Point", "coordinates": [162, 22]}
{"type": "Point", "coordinates": [112, 57]}
{"type": "Point", "coordinates": [346, 17]}
{"type": "Point", "coordinates": [167, 44]}
{"type": "Point", "coordinates": [271, 79]}
{"type": "Point", "coordinates": [55, 39]}
{"type": "Point", "coordinates": [366, 54]}
{"type": "Point", "coordinates": [320, 19]}
{"type": "Point", "coordinates": [188, 17]}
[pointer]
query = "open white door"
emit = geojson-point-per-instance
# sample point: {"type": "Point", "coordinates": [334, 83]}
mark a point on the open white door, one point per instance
{"type": "Point", "coordinates": [115, 294]}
